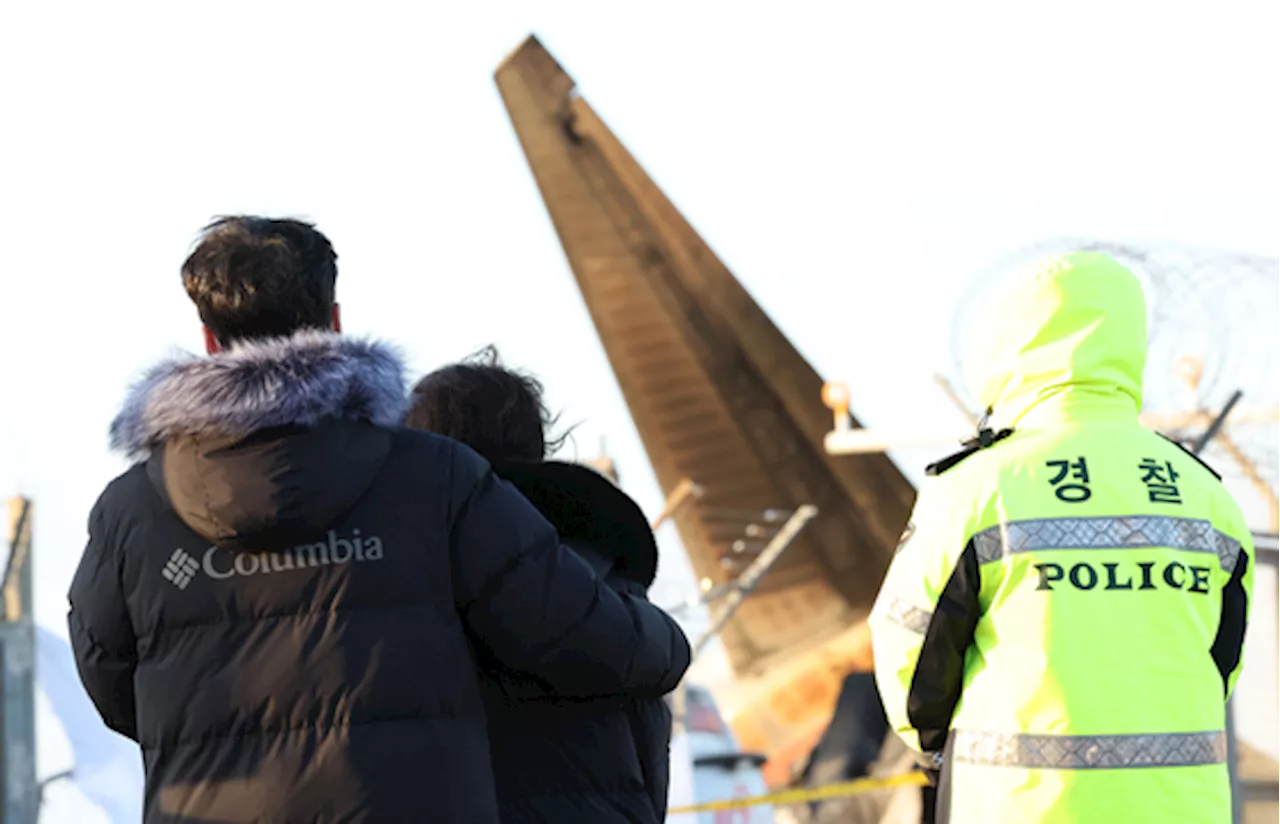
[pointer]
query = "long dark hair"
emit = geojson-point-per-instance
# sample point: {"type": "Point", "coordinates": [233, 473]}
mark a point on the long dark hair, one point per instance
{"type": "Point", "coordinates": [497, 411]}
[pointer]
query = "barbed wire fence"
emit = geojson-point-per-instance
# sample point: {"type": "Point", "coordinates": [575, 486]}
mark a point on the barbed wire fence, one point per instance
{"type": "Point", "coordinates": [1214, 325]}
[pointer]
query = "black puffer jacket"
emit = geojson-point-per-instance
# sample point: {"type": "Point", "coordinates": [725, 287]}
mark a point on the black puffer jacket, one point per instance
{"type": "Point", "coordinates": [282, 602]}
{"type": "Point", "coordinates": [596, 761]}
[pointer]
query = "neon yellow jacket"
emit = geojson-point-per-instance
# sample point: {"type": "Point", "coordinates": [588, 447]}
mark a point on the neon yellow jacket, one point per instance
{"type": "Point", "coordinates": [1066, 612]}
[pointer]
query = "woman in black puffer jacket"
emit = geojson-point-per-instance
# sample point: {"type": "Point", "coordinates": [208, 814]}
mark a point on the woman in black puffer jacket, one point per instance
{"type": "Point", "coordinates": [557, 760]}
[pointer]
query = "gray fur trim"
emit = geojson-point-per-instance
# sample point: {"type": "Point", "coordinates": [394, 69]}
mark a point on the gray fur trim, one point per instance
{"type": "Point", "coordinates": [260, 384]}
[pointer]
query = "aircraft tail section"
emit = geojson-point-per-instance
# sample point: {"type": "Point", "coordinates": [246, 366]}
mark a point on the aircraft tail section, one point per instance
{"type": "Point", "coordinates": [717, 392]}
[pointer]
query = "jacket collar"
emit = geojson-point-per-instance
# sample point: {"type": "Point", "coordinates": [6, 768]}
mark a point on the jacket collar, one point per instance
{"type": "Point", "coordinates": [589, 512]}
{"type": "Point", "coordinates": [297, 380]}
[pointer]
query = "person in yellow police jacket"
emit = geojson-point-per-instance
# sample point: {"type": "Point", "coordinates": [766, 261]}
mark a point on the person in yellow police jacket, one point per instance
{"type": "Point", "coordinates": [1064, 617]}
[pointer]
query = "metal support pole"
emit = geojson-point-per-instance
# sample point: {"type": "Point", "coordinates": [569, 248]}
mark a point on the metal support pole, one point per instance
{"type": "Point", "coordinates": [43, 785]}
{"type": "Point", "coordinates": [684, 492]}
{"type": "Point", "coordinates": [955, 399]}
{"type": "Point", "coordinates": [1212, 431]}
{"type": "Point", "coordinates": [742, 587]}
{"type": "Point", "coordinates": [755, 571]}
{"type": "Point", "coordinates": [19, 798]}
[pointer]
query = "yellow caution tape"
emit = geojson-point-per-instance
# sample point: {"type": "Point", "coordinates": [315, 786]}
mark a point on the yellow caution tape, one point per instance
{"type": "Point", "coordinates": [844, 788]}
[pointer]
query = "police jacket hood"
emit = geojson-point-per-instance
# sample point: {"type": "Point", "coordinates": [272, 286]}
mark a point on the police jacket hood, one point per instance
{"type": "Point", "coordinates": [1071, 338]}
{"type": "Point", "coordinates": [591, 514]}
{"type": "Point", "coordinates": [255, 447]}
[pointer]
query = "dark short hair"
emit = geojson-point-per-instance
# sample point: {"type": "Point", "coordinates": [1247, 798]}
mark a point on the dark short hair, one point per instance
{"type": "Point", "coordinates": [257, 277]}
{"type": "Point", "coordinates": [498, 412]}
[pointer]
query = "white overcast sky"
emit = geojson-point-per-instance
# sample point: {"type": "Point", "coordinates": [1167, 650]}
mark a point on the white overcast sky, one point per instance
{"type": "Point", "coordinates": [853, 164]}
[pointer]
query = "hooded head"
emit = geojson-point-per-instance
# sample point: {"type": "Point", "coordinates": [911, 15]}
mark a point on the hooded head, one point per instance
{"type": "Point", "coordinates": [269, 441]}
{"type": "Point", "coordinates": [1068, 343]}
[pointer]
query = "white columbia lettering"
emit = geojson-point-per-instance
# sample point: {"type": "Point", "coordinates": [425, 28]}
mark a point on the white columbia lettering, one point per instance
{"type": "Point", "coordinates": [221, 564]}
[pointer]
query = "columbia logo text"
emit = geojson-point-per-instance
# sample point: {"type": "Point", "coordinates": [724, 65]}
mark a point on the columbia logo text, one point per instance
{"type": "Point", "coordinates": [221, 564]}
{"type": "Point", "coordinates": [180, 569]}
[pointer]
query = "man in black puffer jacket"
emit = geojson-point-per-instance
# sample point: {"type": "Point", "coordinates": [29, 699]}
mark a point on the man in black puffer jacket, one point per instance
{"type": "Point", "coordinates": [558, 759]}
{"type": "Point", "coordinates": [283, 600]}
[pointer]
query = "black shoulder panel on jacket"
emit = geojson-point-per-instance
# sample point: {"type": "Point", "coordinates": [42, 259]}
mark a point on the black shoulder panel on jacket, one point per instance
{"type": "Point", "coordinates": [986, 438]}
{"type": "Point", "coordinates": [935, 687]}
{"type": "Point", "coordinates": [1193, 455]}
{"type": "Point", "coordinates": [1228, 644]}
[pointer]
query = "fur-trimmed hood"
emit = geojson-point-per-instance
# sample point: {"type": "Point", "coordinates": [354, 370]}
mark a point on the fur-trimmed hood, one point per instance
{"type": "Point", "coordinates": [269, 442]}
{"type": "Point", "coordinates": [590, 513]}
{"type": "Point", "coordinates": [257, 385]}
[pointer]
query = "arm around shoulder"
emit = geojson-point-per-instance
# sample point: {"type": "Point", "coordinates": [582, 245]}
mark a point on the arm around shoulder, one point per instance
{"type": "Point", "coordinates": [540, 609]}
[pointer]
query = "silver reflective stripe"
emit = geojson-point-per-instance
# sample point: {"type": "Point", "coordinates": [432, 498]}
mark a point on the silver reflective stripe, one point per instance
{"type": "Point", "coordinates": [1084, 752]}
{"type": "Point", "coordinates": [1133, 532]}
{"type": "Point", "coordinates": [906, 615]}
